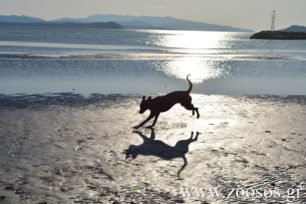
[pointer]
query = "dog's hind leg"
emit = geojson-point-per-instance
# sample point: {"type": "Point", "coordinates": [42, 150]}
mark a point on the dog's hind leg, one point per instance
{"type": "Point", "coordinates": [192, 108]}
{"type": "Point", "coordinates": [145, 121]}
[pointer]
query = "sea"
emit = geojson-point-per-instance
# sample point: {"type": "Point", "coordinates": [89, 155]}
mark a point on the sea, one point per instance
{"type": "Point", "coordinates": [50, 59]}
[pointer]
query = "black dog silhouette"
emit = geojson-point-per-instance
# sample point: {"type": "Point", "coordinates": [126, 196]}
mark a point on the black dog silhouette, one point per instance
{"type": "Point", "coordinates": [164, 103]}
{"type": "Point", "coordinates": [151, 147]}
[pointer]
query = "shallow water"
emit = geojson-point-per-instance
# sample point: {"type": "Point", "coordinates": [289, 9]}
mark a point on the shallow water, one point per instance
{"type": "Point", "coordinates": [52, 60]}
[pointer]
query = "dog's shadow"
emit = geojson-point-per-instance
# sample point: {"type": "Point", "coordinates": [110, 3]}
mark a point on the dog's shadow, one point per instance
{"type": "Point", "coordinates": [152, 147]}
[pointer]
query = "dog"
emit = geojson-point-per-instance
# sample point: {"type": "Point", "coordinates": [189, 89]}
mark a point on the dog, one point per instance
{"type": "Point", "coordinates": [164, 103]}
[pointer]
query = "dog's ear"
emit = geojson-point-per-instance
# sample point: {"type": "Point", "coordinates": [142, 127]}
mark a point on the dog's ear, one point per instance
{"type": "Point", "coordinates": [149, 99]}
{"type": "Point", "coordinates": [143, 98]}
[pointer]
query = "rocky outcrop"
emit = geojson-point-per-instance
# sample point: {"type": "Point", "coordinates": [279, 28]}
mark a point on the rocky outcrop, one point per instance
{"type": "Point", "coordinates": [279, 35]}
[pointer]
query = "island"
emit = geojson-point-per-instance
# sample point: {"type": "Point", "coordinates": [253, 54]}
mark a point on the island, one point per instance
{"type": "Point", "coordinates": [292, 33]}
{"type": "Point", "coordinates": [105, 25]}
{"type": "Point", "coordinates": [120, 21]}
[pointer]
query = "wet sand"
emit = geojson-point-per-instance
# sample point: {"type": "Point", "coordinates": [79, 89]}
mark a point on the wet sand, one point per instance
{"type": "Point", "coordinates": [65, 148]}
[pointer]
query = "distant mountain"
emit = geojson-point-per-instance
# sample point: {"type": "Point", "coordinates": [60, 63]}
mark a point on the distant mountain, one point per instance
{"type": "Point", "coordinates": [141, 22]}
{"type": "Point", "coordinates": [20, 19]}
{"type": "Point", "coordinates": [110, 25]}
{"type": "Point", "coordinates": [154, 22]}
{"type": "Point", "coordinates": [33, 21]}
{"type": "Point", "coordinates": [295, 29]}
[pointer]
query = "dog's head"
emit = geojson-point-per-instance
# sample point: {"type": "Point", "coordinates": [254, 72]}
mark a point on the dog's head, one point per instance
{"type": "Point", "coordinates": [130, 152]}
{"type": "Point", "coordinates": [145, 104]}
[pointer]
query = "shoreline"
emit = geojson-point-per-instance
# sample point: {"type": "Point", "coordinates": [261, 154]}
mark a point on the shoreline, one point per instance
{"type": "Point", "coordinates": [24, 100]}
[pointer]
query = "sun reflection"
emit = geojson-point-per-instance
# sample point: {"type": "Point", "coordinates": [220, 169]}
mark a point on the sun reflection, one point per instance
{"type": "Point", "coordinates": [199, 69]}
{"type": "Point", "coordinates": [191, 42]}
{"type": "Point", "coordinates": [189, 39]}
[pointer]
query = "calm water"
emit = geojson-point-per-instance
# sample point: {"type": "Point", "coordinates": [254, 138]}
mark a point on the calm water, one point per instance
{"type": "Point", "coordinates": [90, 60]}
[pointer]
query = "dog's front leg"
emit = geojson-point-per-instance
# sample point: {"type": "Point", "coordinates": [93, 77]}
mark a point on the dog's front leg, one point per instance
{"type": "Point", "coordinates": [155, 119]}
{"type": "Point", "coordinates": [145, 121]}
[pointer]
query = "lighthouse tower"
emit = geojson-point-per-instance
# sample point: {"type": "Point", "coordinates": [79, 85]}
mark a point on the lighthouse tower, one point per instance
{"type": "Point", "coordinates": [273, 16]}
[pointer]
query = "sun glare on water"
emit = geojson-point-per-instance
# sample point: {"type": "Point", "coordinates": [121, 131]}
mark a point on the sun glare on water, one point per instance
{"type": "Point", "coordinates": [190, 39]}
{"type": "Point", "coordinates": [199, 70]}
{"type": "Point", "coordinates": [191, 42]}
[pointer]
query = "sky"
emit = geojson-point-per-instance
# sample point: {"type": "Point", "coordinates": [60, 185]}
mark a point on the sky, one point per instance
{"type": "Point", "coordinates": [253, 14]}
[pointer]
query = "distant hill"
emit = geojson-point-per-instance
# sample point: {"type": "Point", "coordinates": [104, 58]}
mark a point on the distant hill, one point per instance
{"type": "Point", "coordinates": [14, 20]}
{"type": "Point", "coordinates": [140, 22]}
{"type": "Point", "coordinates": [295, 28]}
{"type": "Point", "coordinates": [20, 19]}
{"type": "Point", "coordinates": [110, 25]}
{"type": "Point", "coordinates": [154, 23]}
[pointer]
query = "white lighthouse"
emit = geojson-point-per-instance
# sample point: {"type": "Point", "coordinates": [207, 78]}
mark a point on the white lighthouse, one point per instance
{"type": "Point", "coordinates": [273, 16]}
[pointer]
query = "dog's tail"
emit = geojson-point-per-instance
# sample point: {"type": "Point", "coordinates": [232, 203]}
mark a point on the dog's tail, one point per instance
{"type": "Point", "coordinates": [190, 84]}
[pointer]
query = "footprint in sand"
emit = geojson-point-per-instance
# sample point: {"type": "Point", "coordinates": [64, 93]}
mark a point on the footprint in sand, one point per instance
{"type": "Point", "coordinates": [78, 148]}
{"type": "Point", "coordinates": [80, 141]}
{"type": "Point", "coordinates": [9, 187]}
{"type": "Point", "coordinates": [2, 198]}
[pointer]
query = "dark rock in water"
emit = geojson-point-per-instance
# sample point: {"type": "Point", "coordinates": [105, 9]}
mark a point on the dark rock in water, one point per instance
{"type": "Point", "coordinates": [268, 131]}
{"type": "Point", "coordinates": [279, 35]}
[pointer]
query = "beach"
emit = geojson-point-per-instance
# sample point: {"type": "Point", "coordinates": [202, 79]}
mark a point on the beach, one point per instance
{"type": "Point", "coordinates": [68, 148]}
{"type": "Point", "coordinates": [69, 99]}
